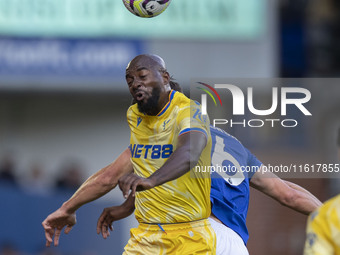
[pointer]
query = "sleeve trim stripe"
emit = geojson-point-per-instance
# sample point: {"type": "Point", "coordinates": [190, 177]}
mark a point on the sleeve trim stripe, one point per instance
{"type": "Point", "coordinates": [193, 129]}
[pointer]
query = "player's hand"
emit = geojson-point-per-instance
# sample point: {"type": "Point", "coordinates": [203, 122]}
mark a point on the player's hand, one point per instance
{"type": "Point", "coordinates": [108, 216]}
{"type": "Point", "coordinates": [114, 213]}
{"type": "Point", "coordinates": [55, 222]}
{"type": "Point", "coordinates": [134, 183]}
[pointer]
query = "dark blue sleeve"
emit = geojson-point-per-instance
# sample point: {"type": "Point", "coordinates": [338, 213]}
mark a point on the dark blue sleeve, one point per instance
{"type": "Point", "coordinates": [253, 163]}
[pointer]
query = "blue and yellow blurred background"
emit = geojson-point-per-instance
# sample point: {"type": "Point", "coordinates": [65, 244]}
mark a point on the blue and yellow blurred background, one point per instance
{"type": "Point", "coordinates": [63, 100]}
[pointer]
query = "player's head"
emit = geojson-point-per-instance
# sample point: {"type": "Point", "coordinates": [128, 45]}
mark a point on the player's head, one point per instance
{"type": "Point", "coordinates": [148, 82]}
{"type": "Point", "coordinates": [173, 85]}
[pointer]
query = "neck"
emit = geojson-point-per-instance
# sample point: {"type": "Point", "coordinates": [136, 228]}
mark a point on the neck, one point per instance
{"type": "Point", "coordinates": [163, 100]}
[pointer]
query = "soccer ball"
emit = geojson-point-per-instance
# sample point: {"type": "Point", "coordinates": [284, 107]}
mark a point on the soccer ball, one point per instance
{"type": "Point", "coordinates": [146, 8]}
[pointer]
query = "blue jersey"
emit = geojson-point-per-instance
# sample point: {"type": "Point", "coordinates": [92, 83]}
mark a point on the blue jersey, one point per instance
{"type": "Point", "coordinates": [232, 167]}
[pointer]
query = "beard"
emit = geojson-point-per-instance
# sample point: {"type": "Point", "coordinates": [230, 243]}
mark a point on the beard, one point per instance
{"type": "Point", "coordinates": [151, 105]}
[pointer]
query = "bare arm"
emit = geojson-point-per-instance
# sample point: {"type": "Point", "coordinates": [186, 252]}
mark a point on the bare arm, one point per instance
{"type": "Point", "coordinates": [306, 192]}
{"type": "Point", "coordinates": [188, 152]}
{"type": "Point", "coordinates": [94, 187]}
{"type": "Point", "coordinates": [100, 183]}
{"type": "Point", "coordinates": [286, 193]}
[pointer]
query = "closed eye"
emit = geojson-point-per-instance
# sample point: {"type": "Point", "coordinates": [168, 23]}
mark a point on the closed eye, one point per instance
{"type": "Point", "coordinates": [129, 82]}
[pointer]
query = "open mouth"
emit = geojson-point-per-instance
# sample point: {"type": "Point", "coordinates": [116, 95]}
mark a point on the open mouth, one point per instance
{"type": "Point", "coordinates": [140, 95]}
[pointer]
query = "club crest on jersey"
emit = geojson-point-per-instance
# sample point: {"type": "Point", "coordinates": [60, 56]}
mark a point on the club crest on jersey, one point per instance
{"type": "Point", "coordinates": [139, 120]}
{"type": "Point", "coordinates": [165, 122]}
{"type": "Point", "coordinates": [311, 238]}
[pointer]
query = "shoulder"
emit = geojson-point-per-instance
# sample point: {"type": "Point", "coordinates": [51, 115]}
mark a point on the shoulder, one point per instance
{"type": "Point", "coordinates": [133, 109]}
{"type": "Point", "coordinates": [182, 102]}
{"type": "Point", "coordinates": [331, 206]}
{"type": "Point", "coordinates": [215, 131]}
{"type": "Point", "coordinates": [326, 215]}
{"type": "Point", "coordinates": [180, 99]}
{"type": "Point", "coordinates": [132, 112]}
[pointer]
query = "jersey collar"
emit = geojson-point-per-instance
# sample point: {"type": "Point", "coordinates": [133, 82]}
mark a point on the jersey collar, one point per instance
{"type": "Point", "coordinates": [171, 96]}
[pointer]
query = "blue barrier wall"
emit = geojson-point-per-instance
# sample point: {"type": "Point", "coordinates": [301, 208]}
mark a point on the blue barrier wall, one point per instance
{"type": "Point", "coordinates": [21, 215]}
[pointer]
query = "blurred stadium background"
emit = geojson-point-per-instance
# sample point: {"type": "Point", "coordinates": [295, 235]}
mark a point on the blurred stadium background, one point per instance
{"type": "Point", "coordinates": [63, 100]}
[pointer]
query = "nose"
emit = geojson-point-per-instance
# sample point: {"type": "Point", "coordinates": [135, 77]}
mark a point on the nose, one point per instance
{"type": "Point", "coordinates": [136, 84]}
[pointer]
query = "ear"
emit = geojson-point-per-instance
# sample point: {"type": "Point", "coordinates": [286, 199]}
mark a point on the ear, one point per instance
{"type": "Point", "coordinates": [166, 78]}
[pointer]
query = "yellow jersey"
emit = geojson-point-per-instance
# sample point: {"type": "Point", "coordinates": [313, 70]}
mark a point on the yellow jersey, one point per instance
{"type": "Point", "coordinates": [323, 229]}
{"type": "Point", "coordinates": [153, 140]}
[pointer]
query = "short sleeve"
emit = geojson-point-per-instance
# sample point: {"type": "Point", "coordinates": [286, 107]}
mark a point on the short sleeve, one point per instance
{"type": "Point", "coordinates": [253, 163]}
{"type": "Point", "coordinates": [190, 119]}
